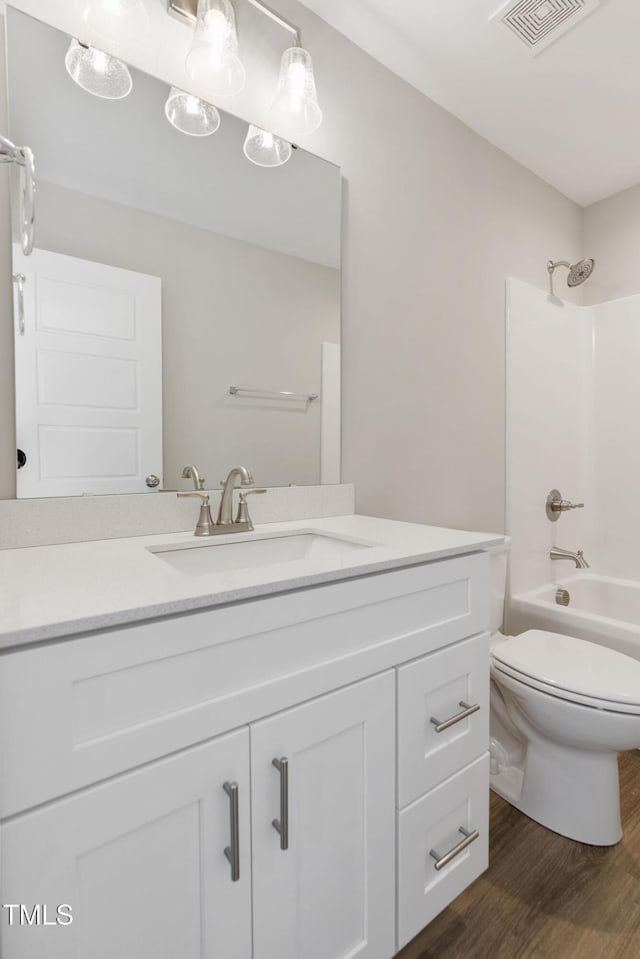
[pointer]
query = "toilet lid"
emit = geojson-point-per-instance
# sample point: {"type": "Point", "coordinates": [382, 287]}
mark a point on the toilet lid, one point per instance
{"type": "Point", "coordinates": [573, 667]}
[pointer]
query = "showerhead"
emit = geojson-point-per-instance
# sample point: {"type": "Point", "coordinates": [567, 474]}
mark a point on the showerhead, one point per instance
{"type": "Point", "coordinates": [578, 272]}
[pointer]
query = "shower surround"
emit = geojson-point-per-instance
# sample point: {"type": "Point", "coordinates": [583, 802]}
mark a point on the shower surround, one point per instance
{"type": "Point", "coordinates": [573, 424]}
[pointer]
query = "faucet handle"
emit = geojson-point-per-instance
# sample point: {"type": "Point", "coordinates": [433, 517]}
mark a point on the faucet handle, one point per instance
{"type": "Point", "coordinates": [205, 525]}
{"type": "Point", "coordinates": [243, 510]}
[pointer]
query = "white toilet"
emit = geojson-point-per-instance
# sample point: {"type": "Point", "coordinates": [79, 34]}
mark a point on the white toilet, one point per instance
{"type": "Point", "coordinates": [561, 710]}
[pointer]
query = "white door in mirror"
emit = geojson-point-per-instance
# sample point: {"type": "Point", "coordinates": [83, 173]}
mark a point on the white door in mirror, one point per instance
{"type": "Point", "coordinates": [88, 377]}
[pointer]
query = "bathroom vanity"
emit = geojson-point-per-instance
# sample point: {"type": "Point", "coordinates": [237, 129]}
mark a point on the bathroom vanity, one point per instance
{"type": "Point", "coordinates": [257, 762]}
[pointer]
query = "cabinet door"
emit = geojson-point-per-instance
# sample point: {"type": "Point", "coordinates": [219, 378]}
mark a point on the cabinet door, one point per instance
{"type": "Point", "coordinates": [141, 862]}
{"type": "Point", "coordinates": [331, 893]}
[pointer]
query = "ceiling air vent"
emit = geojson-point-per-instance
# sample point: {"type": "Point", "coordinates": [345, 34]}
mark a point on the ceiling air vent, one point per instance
{"type": "Point", "coordinates": [539, 23]}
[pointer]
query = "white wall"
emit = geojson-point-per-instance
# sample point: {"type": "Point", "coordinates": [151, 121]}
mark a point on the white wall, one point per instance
{"type": "Point", "coordinates": [435, 218]}
{"type": "Point", "coordinates": [573, 424]}
{"type": "Point", "coordinates": [612, 236]}
{"type": "Point", "coordinates": [616, 426]}
{"type": "Point", "coordinates": [549, 436]}
{"type": "Point", "coordinates": [221, 325]}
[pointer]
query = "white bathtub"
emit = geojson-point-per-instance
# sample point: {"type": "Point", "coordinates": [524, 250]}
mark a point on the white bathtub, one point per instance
{"type": "Point", "coordinates": [601, 609]}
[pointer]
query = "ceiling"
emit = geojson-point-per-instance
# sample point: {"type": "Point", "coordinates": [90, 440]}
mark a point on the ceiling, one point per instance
{"type": "Point", "coordinates": [571, 114]}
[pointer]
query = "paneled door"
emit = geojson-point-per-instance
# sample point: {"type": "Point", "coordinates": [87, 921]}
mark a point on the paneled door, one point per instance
{"type": "Point", "coordinates": [88, 363]}
{"type": "Point", "coordinates": [141, 862]}
{"type": "Point", "coordinates": [323, 880]}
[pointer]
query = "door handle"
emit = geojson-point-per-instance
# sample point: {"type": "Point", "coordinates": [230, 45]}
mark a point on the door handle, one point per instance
{"type": "Point", "coordinates": [281, 825]}
{"type": "Point", "coordinates": [20, 279]}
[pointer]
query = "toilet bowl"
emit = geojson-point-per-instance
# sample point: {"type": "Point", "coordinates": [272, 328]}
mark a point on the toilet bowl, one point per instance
{"type": "Point", "coordinates": [561, 710]}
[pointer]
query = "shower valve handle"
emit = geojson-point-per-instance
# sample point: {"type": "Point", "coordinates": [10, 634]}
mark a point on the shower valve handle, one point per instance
{"type": "Point", "coordinates": [564, 505]}
{"type": "Point", "coordinates": [556, 505]}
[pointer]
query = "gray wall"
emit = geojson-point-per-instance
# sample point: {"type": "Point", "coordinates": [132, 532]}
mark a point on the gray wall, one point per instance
{"type": "Point", "coordinates": [612, 236]}
{"type": "Point", "coordinates": [7, 431]}
{"type": "Point", "coordinates": [232, 312]}
{"type": "Point", "coordinates": [435, 219]}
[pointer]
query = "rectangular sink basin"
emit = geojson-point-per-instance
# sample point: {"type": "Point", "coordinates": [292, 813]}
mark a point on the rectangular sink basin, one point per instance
{"type": "Point", "coordinates": [216, 556]}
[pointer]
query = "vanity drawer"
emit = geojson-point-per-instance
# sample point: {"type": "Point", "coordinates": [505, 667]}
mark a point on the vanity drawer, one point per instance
{"type": "Point", "coordinates": [79, 711]}
{"type": "Point", "coordinates": [434, 688]}
{"type": "Point", "coordinates": [435, 823]}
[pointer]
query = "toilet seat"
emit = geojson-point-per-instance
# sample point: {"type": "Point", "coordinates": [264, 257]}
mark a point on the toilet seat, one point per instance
{"type": "Point", "coordinates": [571, 669]}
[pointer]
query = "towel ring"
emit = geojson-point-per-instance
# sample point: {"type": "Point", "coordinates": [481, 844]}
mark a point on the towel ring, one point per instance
{"type": "Point", "coordinates": [23, 156]}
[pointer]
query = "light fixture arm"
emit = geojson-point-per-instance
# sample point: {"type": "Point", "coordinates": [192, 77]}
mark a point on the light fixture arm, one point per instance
{"type": "Point", "coordinates": [186, 10]}
{"type": "Point", "coordinates": [277, 18]}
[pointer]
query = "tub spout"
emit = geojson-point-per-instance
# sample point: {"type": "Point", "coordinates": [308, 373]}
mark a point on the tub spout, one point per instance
{"type": "Point", "coordinates": [577, 558]}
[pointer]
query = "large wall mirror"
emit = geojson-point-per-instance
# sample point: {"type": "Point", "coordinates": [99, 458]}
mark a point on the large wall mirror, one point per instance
{"type": "Point", "coordinates": [167, 270]}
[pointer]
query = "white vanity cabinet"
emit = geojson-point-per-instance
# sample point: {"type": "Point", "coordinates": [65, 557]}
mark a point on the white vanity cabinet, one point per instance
{"type": "Point", "coordinates": [140, 860]}
{"type": "Point", "coordinates": [116, 747]}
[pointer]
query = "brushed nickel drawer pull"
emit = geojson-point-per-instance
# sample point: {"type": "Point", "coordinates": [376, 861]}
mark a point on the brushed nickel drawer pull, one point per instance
{"type": "Point", "coordinates": [467, 710]}
{"type": "Point", "coordinates": [282, 825]}
{"type": "Point", "coordinates": [442, 861]}
{"type": "Point", "coordinates": [232, 852]}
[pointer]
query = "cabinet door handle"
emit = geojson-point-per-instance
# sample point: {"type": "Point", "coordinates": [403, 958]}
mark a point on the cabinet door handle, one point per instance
{"type": "Point", "coordinates": [467, 710]}
{"type": "Point", "coordinates": [281, 825]}
{"type": "Point", "coordinates": [442, 861]}
{"type": "Point", "coordinates": [232, 852]}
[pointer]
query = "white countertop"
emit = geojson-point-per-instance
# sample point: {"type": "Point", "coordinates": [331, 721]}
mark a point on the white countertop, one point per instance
{"type": "Point", "coordinates": [49, 592]}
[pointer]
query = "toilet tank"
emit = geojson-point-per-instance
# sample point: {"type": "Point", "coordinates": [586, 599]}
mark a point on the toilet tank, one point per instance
{"type": "Point", "coordinates": [499, 556]}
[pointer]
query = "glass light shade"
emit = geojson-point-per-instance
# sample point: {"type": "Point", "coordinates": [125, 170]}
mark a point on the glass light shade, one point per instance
{"type": "Point", "coordinates": [118, 21]}
{"type": "Point", "coordinates": [190, 114]}
{"type": "Point", "coordinates": [295, 108]}
{"type": "Point", "coordinates": [265, 149]}
{"type": "Point", "coordinates": [213, 60]}
{"type": "Point", "coordinates": [98, 72]}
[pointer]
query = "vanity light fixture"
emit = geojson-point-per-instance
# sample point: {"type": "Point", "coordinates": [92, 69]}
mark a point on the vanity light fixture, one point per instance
{"type": "Point", "coordinates": [213, 60]}
{"type": "Point", "coordinates": [266, 149]}
{"type": "Point", "coordinates": [117, 21]}
{"type": "Point", "coordinates": [97, 72]}
{"type": "Point", "coordinates": [190, 114]}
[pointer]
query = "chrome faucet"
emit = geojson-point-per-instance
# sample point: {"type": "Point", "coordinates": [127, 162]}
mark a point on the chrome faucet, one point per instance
{"type": "Point", "coordinates": [228, 486]}
{"type": "Point", "coordinates": [192, 472]}
{"type": "Point", "coordinates": [577, 558]}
